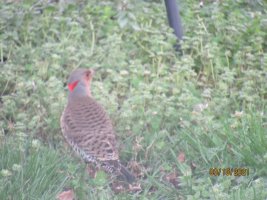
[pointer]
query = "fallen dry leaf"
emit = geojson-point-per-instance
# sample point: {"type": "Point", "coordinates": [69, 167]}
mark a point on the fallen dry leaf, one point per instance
{"type": "Point", "coordinates": [119, 187]}
{"type": "Point", "coordinates": [238, 114]}
{"type": "Point", "coordinates": [66, 195]}
{"type": "Point", "coordinates": [136, 168]}
{"type": "Point", "coordinates": [173, 179]}
{"type": "Point", "coordinates": [91, 170]}
{"type": "Point", "coordinates": [136, 187]}
{"type": "Point", "coordinates": [181, 157]}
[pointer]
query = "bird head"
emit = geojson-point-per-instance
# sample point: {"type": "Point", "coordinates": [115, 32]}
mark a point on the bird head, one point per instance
{"type": "Point", "coordinates": [79, 82]}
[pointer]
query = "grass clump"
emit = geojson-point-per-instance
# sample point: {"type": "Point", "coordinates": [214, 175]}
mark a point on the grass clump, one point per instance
{"type": "Point", "coordinates": [30, 171]}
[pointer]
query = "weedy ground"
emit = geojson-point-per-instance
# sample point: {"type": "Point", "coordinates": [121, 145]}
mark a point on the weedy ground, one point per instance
{"type": "Point", "coordinates": [176, 114]}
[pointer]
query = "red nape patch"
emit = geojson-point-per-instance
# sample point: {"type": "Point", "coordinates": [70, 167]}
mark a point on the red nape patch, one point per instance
{"type": "Point", "coordinates": [72, 85]}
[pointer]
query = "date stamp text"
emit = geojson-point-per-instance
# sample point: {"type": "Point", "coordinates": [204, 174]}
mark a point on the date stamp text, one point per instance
{"type": "Point", "coordinates": [238, 171]}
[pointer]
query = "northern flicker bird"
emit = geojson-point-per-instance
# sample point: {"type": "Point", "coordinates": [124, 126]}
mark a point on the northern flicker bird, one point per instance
{"type": "Point", "coordinates": [87, 127]}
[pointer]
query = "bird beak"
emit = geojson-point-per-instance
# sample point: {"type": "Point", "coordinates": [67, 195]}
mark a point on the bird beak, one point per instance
{"type": "Point", "coordinates": [92, 72]}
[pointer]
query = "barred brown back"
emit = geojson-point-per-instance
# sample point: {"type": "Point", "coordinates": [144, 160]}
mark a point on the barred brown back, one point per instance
{"type": "Point", "coordinates": [85, 123]}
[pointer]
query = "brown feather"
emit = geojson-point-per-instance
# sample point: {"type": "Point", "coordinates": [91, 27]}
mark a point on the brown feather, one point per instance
{"type": "Point", "coordinates": [86, 124]}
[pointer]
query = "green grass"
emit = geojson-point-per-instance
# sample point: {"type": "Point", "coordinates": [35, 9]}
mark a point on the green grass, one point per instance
{"type": "Point", "coordinates": [208, 103]}
{"type": "Point", "coordinates": [30, 172]}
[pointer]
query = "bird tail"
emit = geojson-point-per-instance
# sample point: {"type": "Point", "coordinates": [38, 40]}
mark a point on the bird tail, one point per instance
{"type": "Point", "coordinates": [115, 167]}
{"type": "Point", "coordinates": [126, 175]}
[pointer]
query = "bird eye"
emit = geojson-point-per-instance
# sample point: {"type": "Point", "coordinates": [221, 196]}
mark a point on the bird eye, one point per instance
{"type": "Point", "coordinates": [88, 73]}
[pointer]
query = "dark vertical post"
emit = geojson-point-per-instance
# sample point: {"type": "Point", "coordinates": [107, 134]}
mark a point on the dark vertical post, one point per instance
{"type": "Point", "coordinates": [174, 19]}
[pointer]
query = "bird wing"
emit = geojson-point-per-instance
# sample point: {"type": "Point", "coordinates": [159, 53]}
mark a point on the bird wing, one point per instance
{"type": "Point", "coordinates": [88, 129]}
